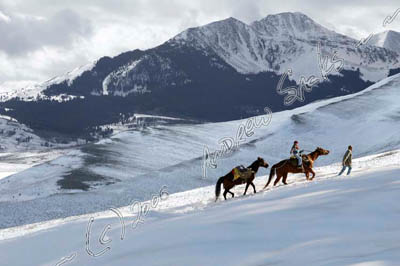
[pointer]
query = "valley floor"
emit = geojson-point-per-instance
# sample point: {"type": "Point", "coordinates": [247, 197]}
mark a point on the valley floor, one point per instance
{"type": "Point", "coordinates": [347, 220]}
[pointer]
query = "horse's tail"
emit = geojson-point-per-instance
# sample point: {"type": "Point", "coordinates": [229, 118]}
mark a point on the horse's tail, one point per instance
{"type": "Point", "coordinates": [218, 187]}
{"type": "Point", "coordinates": [272, 173]}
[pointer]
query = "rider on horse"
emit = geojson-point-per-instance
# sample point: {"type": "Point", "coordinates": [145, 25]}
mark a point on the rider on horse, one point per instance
{"type": "Point", "coordinates": [295, 151]}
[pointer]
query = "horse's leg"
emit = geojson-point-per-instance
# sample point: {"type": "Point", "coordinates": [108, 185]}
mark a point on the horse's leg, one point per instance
{"type": "Point", "coordinates": [228, 185]}
{"type": "Point", "coordinates": [284, 178]}
{"type": "Point", "coordinates": [278, 178]}
{"type": "Point", "coordinates": [247, 186]}
{"type": "Point", "coordinates": [307, 174]}
{"type": "Point", "coordinates": [233, 195]}
{"type": "Point", "coordinates": [226, 191]}
{"type": "Point", "coordinates": [313, 174]}
{"type": "Point", "coordinates": [254, 187]}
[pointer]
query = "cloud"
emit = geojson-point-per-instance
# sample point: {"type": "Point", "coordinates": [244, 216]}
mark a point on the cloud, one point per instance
{"type": "Point", "coordinates": [21, 34]}
{"type": "Point", "coordinates": [4, 17]}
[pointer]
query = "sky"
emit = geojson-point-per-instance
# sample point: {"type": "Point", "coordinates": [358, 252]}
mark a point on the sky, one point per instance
{"type": "Point", "coordinates": [41, 39]}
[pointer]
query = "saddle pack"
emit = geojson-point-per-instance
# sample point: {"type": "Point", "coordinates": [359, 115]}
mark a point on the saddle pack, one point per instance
{"type": "Point", "coordinates": [241, 172]}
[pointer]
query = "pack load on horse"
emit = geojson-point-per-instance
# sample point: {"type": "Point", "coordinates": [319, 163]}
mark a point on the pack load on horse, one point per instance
{"type": "Point", "coordinates": [241, 172]}
{"type": "Point", "coordinates": [239, 175]}
{"type": "Point", "coordinates": [284, 167]}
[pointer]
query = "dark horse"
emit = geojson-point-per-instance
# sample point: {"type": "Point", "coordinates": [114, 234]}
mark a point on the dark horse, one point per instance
{"type": "Point", "coordinates": [283, 168]}
{"type": "Point", "coordinates": [229, 183]}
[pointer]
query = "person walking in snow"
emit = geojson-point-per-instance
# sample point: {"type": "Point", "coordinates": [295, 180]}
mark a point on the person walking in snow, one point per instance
{"type": "Point", "coordinates": [295, 151]}
{"type": "Point", "coordinates": [346, 162]}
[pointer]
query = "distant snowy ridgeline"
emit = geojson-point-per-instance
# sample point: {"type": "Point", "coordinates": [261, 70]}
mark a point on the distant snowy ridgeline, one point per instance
{"type": "Point", "coordinates": [275, 44]}
{"type": "Point", "coordinates": [35, 92]}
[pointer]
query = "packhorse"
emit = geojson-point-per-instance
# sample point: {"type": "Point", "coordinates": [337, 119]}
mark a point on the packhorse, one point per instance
{"type": "Point", "coordinates": [283, 168]}
{"type": "Point", "coordinates": [229, 181]}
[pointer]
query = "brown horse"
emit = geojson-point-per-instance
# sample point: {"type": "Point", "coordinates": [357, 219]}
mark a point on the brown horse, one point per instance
{"type": "Point", "coordinates": [229, 183]}
{"type": "Point", "coordinates": [283, 168]}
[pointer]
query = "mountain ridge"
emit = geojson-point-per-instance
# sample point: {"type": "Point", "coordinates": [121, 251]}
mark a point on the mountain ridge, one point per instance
{"type": "Point", "coordinates": [249, 62]}
{"type": "Point", "coordinates": [221, 71]}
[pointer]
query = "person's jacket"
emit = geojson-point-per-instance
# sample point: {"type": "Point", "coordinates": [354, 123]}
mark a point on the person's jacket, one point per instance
{"type": "Point", "coordinates": [347, 158]}
{"type": "Point", "coordinates": [294, 150]}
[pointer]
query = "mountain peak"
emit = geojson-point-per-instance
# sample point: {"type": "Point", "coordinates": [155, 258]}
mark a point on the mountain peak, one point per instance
{"type": "Point", "coordinates": [289, 14]}
{"type": "Point", "coordinates": [228, 22]}
{"type": "Point", "coordinates": [231, 20]}
{"type": "Point", "coordinates": [388, 39]}
{"type": "Point", "coordinates": [286, 24]}
{"type": "Point", "coordinates": [294, 24]}
{"type": "Point", "coordinates": [226, 27]}
{"type": "Point", "coordinates": [287, 17]}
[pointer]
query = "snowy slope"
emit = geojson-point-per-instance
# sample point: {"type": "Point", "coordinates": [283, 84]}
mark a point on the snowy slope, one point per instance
{"type": "Point", "coordinates": [388, 39]}
{"type": "Point", "coordinates": [21, 148]}
{"type": "Point", "coordinates": [332, 221]}
{"type": "Point", "coordinates": [15, 162]}
{"type": "Point", "coordinates": [132, 165]}
{"type": "Point", "coordinates": [16, 136]}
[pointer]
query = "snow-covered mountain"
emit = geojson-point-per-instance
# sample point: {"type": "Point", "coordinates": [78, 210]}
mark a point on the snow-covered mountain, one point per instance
{"type": "Point", "coordinates": [34, 92]}
{"type": "Point", "coordinates": [274, 43]}
{"type": "Point", "coordinates": [388, 39]}
{"type": "Point", "coordinates": [222, 71]}
{"type": "Point", "coordinates": [286, 40]}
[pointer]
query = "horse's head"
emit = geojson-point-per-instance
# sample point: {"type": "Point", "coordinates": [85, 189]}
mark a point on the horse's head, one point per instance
{"type": "Point", "coordinates": [322, 151]}
{"type": "Point", "coordinates": [262, 163]}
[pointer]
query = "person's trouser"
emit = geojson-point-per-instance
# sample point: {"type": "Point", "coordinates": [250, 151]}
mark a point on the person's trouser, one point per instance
{"type": "Point", "coordinates": [344, 168]}
{"type": "Point", "coordinates": [299, 160]}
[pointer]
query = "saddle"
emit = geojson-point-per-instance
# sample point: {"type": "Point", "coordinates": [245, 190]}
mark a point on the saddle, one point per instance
{"type": "Point", "coordinates": [293, 160]}
{"type": "Point", "coordinates": [241, 172]}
